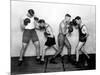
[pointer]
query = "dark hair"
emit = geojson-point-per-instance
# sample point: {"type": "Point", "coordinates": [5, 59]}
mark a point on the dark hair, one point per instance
{"type": "Point", "coordinates": [31, 12]}
{"type": "Point", "coordinates": [68, 15]}
{"type": "Point", "coordinates": [41, 21]}
{"type": "Point", "coordinates": [73, 22]}
{"type": "Point", "coordinates": [36, 18]}
{"type": "Point", "coordinates": [77, 17]}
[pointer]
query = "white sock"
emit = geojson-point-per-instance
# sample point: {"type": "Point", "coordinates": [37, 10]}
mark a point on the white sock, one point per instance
{"type": "Point", "coordinates": [38, 57]}
{"type": "Point", "coordinates": [20, 59]}
{"type": "Point", "coordinates": [42, 59]}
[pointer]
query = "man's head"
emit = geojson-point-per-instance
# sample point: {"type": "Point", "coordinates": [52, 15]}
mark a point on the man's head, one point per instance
{"type": "Point", "coordinates": [41, 22]}
{"type": "Point", "coordinates": [78, 20]}
{"type": "Point", "coordinates": [31, 13]}
{"type": "Point", "coordinates": [67, 17]}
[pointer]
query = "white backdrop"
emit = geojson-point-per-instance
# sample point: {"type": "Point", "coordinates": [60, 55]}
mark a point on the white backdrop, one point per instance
{"type": "Point", "coordinates": [5, 37]}
{"type": "Point", "coordinates": [53, 14]}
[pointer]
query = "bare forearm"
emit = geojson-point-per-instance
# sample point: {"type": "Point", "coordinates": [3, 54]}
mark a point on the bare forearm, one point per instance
{"type": "Point", "coordinates": [37, 28]}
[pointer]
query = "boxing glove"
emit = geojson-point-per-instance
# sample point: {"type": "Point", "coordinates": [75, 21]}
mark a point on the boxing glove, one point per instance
{"type": "Point", "coordinates": [70, 29]}
{"type": "Point", "coordinates": [46, 34]}
{"type": "Point", "coordinates": [26, 21]}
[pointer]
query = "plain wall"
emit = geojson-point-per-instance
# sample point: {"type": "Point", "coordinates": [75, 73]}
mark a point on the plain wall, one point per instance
{"type": "Point", "coordinates": [53, 14]}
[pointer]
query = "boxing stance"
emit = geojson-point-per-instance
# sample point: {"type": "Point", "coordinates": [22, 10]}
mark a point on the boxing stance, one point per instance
{"type": "Point", "coordinates": [50, 38]}
{"type": "Point", "coordinates": [65, 30]}
{"type": "Point", "coordinates": [83, 35]}
{"type": "Point", "coordinates": [29, 33]}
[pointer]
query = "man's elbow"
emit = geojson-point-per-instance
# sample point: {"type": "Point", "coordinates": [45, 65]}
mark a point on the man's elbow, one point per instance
{"type": "Point", "coordinates": [22, 27]}
{"type": "Point", "coordinates": [87, 34]}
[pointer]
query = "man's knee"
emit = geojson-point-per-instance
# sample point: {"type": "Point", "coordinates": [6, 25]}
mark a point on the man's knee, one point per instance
{"type": "Point", "coordinates": [67, 43]}
{"type": "Point", "coordinates": [61, 43]}
{"type": "Point", "coordinates": [37, 44]}
{"type": "Point", "coordinates": [24, 46]}
{"type": "Point", "coordinates": [61, 37]}
{"type": "Point", "coordinates": [60, 48]}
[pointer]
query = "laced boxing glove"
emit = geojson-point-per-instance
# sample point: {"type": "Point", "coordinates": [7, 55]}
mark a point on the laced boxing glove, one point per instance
{"type": "Point", "coordinates": [70, 29]}
{"type": "Point", "coordinates": [73, 22]}
{"type": "Point", "coordinates": [26, 21]}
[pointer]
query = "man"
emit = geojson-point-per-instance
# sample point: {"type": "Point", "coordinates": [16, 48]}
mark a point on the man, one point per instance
{"type": "Point", "coordinates": [65, 29]}
{"type": "Point", "coordinates": [50, 38]}
{"type": "Point", "coordinates": [29, 33]}
{"type": "Point", "coordinates": [83, 35]}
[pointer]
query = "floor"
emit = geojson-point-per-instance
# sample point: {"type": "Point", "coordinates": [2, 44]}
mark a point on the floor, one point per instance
{"type": "Point", "coordinates": [30, 65]}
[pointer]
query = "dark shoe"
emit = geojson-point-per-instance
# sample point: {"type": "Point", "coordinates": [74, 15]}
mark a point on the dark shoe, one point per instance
{"type": "Point", "coordinates": [69, 58]}
{"type": "Point", "coordinates": [58, 56]}
{"type": "Point", "coordinates": [38, 59]}
{"type": "Point", "coordinates": [77, 64]}
{"type": "Point", "coordinates": [42, 62]}
{"type": "Point", "coordinates": [53, 61]}
{"type": "Point", "coordinates": [20, 63]}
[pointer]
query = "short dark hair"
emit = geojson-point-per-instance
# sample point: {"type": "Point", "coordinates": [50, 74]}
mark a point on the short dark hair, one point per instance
{"type": "Point", "coordinates": [31, 12]}
{"type": "Point", "coordinates": [68, 15]}
{"type": "Point", "coordinates": [41, 21]}
{"type": "Point", "coordinates": [36, 18]}
{"type": "Point", "coordinates": [77, 17]}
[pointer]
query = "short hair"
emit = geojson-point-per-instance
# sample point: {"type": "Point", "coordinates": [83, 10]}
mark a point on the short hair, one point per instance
{"type": "Point", "coordinates": [77, 18]}
{"type": "Point", "coordinates": [31, 12]}
{"type": "Point", "coordinates": [36, 18]}
{"type": "Point", "coordinates": [41, 21]}
{"type": "Point", "coordinates": [68, 15]}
